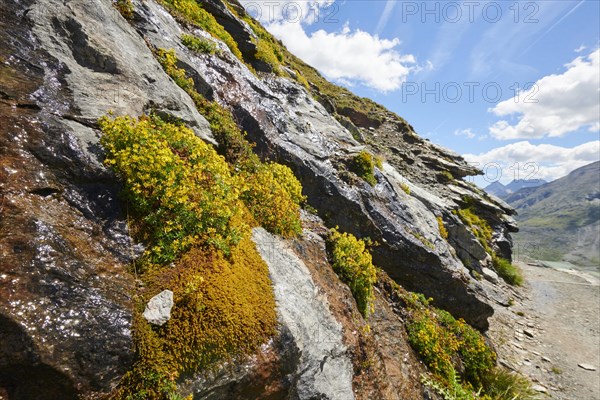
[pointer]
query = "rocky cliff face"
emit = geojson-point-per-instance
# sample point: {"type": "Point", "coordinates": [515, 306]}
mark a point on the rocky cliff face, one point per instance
{"type": "Point", "coordinates": [65, 298]}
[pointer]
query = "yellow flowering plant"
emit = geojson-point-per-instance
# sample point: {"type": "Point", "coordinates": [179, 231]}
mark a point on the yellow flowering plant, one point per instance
{"type": "Point", "coordinates": [354, 265]}
{"type": "Point", "coordinates": [178, 185]}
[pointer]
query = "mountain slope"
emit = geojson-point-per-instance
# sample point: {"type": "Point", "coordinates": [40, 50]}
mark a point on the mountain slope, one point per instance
{"type": "Point", "coordinates": [561, 219]}
{"type": "Point", "coordinates": [72, 295]}
{"type": "Point", "coordinates": [519, 184]}
{"type": "Point", "coordinates": [503, 191]}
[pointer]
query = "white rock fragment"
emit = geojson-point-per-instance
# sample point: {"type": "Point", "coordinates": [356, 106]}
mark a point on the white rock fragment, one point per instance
{"type": "Point", "coordinates": [539, 389]}
{"type": "Point", "coordinates": [489, 275]}
{"type": "Point", "coordinates": [587, 367]}
{"type": "Point", "coordinates": [158, 309]}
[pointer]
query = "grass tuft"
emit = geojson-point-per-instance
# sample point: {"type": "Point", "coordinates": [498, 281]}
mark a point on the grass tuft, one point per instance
{"type": "Point", "coordinates": [507, 271]}
{"type": "Point", "coordinates": [199, 45]}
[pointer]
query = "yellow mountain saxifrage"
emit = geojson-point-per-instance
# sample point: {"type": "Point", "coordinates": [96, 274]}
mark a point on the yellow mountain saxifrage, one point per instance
{"type": "Point", "coordinates": [199, 45]}
{"type": "Point", "coordinates": [286, 178]}
{"type": "Point", "coordinates": [192, 12]}
{"type": "Point", "coordinates": [272, 194]}
{"type": "Point", "coordinates": [353, 264]}
{"type": "Point", "coordinates": [270, 191]}
{"type": "Point", "coordinates": [363, 165]}
{"type": "Point", "coordinates": [177, 185]}
{"type": "Point", "coordinates": [462, 365]}
{"type": "Point", "coordinates": [186, 206]}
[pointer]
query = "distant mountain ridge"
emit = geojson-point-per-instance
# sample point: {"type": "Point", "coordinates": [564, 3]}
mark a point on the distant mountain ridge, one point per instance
{"type": "Point", "coordinates": [502, 191]}
{"type": "Point", "coordinates": [560, 220]}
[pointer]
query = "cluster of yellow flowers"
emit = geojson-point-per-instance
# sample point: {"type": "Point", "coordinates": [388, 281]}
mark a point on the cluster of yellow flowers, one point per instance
{"type": "Point", "coordinates": [270, 190]}
{"type": "Point", "coordinates": [195, 215]}
{"type": "Point", "coordinates": [198, 45]}
{"type": "Point", "coordinates": [442, 227]}
{"type": "Point", "coordinates": [478, 225]}
{"type": "Point", "coordinates": [448, 345]}
{"type": "Point", "coordinates": [224, 308]}
{"type": "Point", "coordinates": [177, 185]}
{"type": "Point", "coordinates": [354, 265]}
{"type": "Point", "coordinates": [192, 12]}
{"type": "Point", "coordinates": [272, 195]}
{"type": "Point", "coordinates": [364, 164]}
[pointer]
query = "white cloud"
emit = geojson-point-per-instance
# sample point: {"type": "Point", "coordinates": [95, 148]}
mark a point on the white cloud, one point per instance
{"type": "Point", "coordinates": [523, 160]}
{"type": "Point", "coordinates": [349, 57]}
{"type": "Point", "coordinates": [291, 11]}
{"type": "Point", "coordinates": [555, 105]}
{"type": "Point", "coordinates": [580, 49]}
{"type": "Point", "coordinates": [465, 132]}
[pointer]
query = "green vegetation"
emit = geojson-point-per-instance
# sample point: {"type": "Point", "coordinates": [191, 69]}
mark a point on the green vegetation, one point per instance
{"type": "Point", "coordinates": [405, 188]}
{"type": "Point", "coordinates": [194, 213]}
{"type": "Point", "coordinates": [194, 209]}
{"type": "Point", "coordinates": [556, 370]}
{"type": "Point", "coordinates": [501, 384]}
{"type": "Point", "coordinates": [453, 390]}
{"type": "Point", "coordinates": [422, 239]}
{"type": "Point", "coordinates": [447, 176]}
{"type": "Point", "coordinates": [126, 8]}
{"type": "Point", "coordinates": [192, 12]}
{"type": "Point", "coordinates": [272, 194]}
{"type": "Point", "coordinates": [478, 225]}
{"type": "Point", "coordinates": [302, 80]}
{"type": "Point", "coordinates": [352, 262]}
{"type": "Point", "coordinates": [273, 52]}
{"type": "Point", "coordinates": [224, 308]}
{"type": "Point", "coordinates": [199, 45]}
{"type": "Point", "coordinates": [456, 354]}
{"type": "Point", "coordinates": [482, 230]}
{"type": "Point", "coordinates": [442, 228]}
{"type": "Point", "coordinates": [378, 161]}
{"type": "Point", "coordinates": [266, 53]}
{"type": "Point", "coordinates": [180, 188]}
{"type": "Point", "coordinates": [363, 165]}
{"type": "Point", "coordinates": [439, 339]}
{"type": "Point", "coordinates": [232, 143]}
{"type": "Point", "coordinates": [271, 191]}
{"type": "Point", "coordinates": [507, 271]}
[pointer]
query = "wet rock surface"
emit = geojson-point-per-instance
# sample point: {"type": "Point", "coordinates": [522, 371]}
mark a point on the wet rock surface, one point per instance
{"type": "Point", "coordinates": [65, 306]}
{"type": "Point", "coordinates": [64, 293]}
{"type": "Point", "coordinates": [289, 126]}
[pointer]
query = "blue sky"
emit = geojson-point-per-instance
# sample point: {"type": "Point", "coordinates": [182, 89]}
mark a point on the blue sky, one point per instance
{"type": "Point", "coordinates": [511, 85]}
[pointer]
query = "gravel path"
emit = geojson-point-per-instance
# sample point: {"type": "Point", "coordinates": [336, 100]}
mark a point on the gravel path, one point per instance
{"type": "Point", "coordinates": [552, 328]}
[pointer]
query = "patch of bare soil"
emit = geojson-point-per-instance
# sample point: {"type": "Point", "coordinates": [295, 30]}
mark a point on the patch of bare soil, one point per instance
{"type": "Point", "coordinates": [551, 331]}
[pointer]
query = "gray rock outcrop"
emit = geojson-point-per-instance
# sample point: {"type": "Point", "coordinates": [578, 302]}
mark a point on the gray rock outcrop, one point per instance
{"type": "Point", "coordinates": [324, 370]}
{"type": "Point", "coordinates": [288, 125]}
{"type": "Point", "coordinates": [65, 287]}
